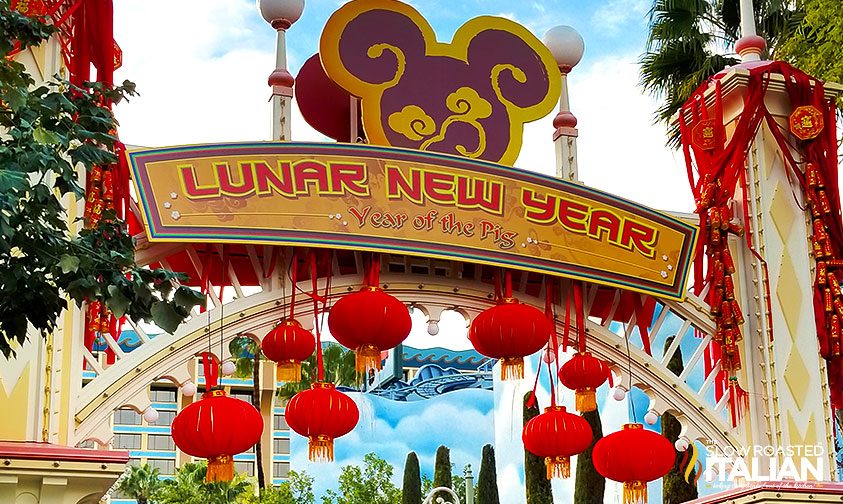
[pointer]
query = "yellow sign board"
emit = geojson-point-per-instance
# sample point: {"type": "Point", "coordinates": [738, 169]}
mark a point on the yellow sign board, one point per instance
{"type": "Point", "coordinates": [394, 200]}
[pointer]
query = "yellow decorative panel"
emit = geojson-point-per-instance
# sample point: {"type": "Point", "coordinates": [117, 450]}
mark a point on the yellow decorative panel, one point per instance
{"type": "Point", "coordinates": [15, 398]}
{"type": "Point", "coordinates": [797, 438]}
{"type": "Point", "coordinates": [790, 295]}
{"type": "Point", "coordinates": [782, 212]}
{"type": "Point", "coordinates": [797, 378]}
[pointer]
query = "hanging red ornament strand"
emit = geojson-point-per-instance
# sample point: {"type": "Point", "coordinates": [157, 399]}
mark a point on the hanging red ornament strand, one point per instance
{"type": "Point", "coordinates": [369, 321]}
{"type": "Point", "coordinates": [583, 373]}
{"type": "Point", "coordinates": [510, 331]}
{"type": "Point", "coordinates": [216, 427]}
{"type": "Point", "coordinates": [288, 343]}
{"type": "Point", "coordinates": [322, 413]}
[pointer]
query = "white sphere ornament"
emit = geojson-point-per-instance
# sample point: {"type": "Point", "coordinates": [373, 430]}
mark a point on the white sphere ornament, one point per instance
{"type": "Point", "coordinates": [548, 356]}
{"type": "Point", "coordinates": [151, 415]}
{"type": "Point", "coordinates": [433, 328]}
{"type": "Point", "coordinates": [566, 45]}
{"type": "Point", "coordinates": [285, 11]}
{"type": "Point", "coordinates": [651, 418]}
{"type": "Point", "coordinates": [619, 394]}
{"type": "Point", "coordinates": [681, 444]}
{"type": "Point", "coordinates": [188, 389]}
{"type": "Point", "coordinates": [228, 368]}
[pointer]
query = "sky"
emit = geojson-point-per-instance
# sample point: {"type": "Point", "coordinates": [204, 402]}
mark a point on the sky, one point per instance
{"type": "Point", "coordinates": [201, 68]}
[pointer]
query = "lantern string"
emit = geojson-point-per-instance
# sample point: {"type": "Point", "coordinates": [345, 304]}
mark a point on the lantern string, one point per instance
{"type": "Point", "coordinates": [496, 279]}
{"type": "Point", "coordinates": [320, 367]}
{"type": "Point", "coordinates": [629, 370]}
{"type": "Point", "coordinates": [533, 398]}
{"type": "Point", "coordinates": [578, 306]}
{"type": "Point", "coordinates": [223, 280]}
{"type": "Point", "coordinates": [294, 279]}
{"type": "Point", "coordinates": [211, 367]}
{"type": "Point", "coordinates": [567, 332]}
{"type": "Point", "coordinates": [507, 288]}
{"type": "Point", "coordinates": [206, 288]}
{"type": "Point", "coordinates": [548, 309]}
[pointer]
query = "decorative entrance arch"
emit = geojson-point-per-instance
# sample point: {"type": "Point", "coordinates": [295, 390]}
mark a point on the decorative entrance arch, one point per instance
{"type": "Point", "coordinates": [440, 288]}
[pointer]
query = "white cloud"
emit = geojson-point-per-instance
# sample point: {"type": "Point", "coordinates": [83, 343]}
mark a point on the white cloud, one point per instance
{"type": "Point", "coordinates": [201, 71]}
{"type": "Point", "coordinates": [612, 17]}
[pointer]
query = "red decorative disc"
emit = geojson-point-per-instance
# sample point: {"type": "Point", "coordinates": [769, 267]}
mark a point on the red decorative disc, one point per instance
{"type": "Point", "coordinates": [806, 122]}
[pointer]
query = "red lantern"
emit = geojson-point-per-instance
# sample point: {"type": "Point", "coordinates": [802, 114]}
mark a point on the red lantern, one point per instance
{"type": "Point", "coordinates": [369, 321]}
{"type": "Point", "coordinates": [217, 427]}
{"type": "Point", "coordinates": [633, 456]}
{"type": "Point", "coordinates": [321, 414]}
{"type": "Point", "coordinates": [509, 332]}
{"type": "Point", "coordinates": [556, 435]}
{"type": "Point", "coordinates": [583, 374]}
{"type": "Point", "coordinates": [288, 344]}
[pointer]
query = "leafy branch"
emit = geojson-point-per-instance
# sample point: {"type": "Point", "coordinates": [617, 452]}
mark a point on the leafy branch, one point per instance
{"type": "Point", "coordinates": [53, 133]}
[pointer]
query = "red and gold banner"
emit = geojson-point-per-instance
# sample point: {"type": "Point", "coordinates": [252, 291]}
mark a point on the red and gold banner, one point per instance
{"type": "Point", "coordinates": [390, 200]}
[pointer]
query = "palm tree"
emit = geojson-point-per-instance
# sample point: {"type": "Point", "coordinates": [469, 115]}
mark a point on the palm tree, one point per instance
{"type": "Point", "coordinates": [339, 369]}
{"type": "Point", "coordinates": [691, 40]}
{"type": "Point", "coordinates": [189, 487]}
{"type": "Point", "coordinates": [247, 354]}
{"type": "Point", "coordinates": [141, 483]}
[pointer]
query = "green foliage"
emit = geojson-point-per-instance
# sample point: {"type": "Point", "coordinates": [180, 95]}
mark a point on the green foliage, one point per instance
{"type": "Point", "coordinates": [141, 483]}
{"type": "Point", "coordinates": [589, 485]}
{"type": "Point", "coordinates": [339, 368]}
{"type": "Point", "coordinates": [442, 471]}
{"type": "Point", "coordinates": [189, 487]}
{"type": "Point", "coordinates": [53, 131]}
{"type": "Point", "coordinates": [298, 489]}
{"type": "Point", "coordinates": [816, 46]}
{"type": "Point", "coordinates": [674, 487]}
{"type": "Point", "coordinates": [487, 481]}
{"type": "Point", "coordinates": [691, 40]}
{"type": "Point", "coordinates": [535, 473]}
{"type": "Point", "coordinates": [411, 489]}
{"type": "Point", "coordinates": [370, 485]}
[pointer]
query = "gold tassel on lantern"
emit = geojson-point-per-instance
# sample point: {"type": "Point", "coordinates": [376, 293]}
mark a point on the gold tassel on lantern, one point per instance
{"type": "Point", "coordinates": [289, 371]}
{"type": "Point", "coordinates": [512, 368]}
{"type": "Point", "coordinates": [220, 468]}
{"type": "Point", "coordinates": [586, 400]}
{"type": "Point", "coordinates": [320, 448]}
{"type": "Point", "coordinates": [367, 357]}
{"type": "Point", "coordinates": [558, 467]}
{"type": "Point", "coordinates": [634, 492]}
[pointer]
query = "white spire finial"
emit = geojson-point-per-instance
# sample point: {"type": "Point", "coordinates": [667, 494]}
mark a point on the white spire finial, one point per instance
{"type": "Point", "coordinates": [750, 45]}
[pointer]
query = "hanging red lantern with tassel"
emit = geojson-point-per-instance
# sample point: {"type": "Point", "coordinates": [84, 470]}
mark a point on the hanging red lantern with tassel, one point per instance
{"type": "Point", "coordinates": [321, 414]}
{"type": "Point", "coordinates": [556, 436]}
{"type": "Point", "coordinates": [288, 343]}
{"type": "Point", "coordinates": [510, 331]}
{"type": "Point", "coordinates": [584, 374]}
{"type": "Point", "coordinates": [369, 321]}
{"type": "Point", "coordinates": [633, 456]}
{"type": "Point", "coordinates": [216, 427]}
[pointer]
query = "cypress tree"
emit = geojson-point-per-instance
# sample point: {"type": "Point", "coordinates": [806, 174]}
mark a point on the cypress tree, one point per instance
{"type": "Point", "coordinates": [674, 487]}
{"type": "Point", "coordinates": [589, 485]}
{"type": "Point", "coordinates": [411, 491]}
{"type": "Point", "coordinates": [535, 473]}
{"type": "Point", "coordinates": [442, 471]}
{"type": "Point", "coordinates": [487, 481]}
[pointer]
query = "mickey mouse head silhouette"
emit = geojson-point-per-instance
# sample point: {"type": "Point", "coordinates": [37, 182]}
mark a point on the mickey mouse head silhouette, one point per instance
{"type": "Point", "coordinates": [470, 97]}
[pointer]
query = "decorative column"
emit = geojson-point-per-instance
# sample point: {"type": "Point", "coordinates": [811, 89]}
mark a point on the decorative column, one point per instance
{"type": "Point", "coordinates": [469, 485]}
{"type": "Point", "coordinates": [281, 14]}
{"type": "Point", "coordinates": [567, 47]}
{"type": "Point", "coordinates": [789, 396]}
